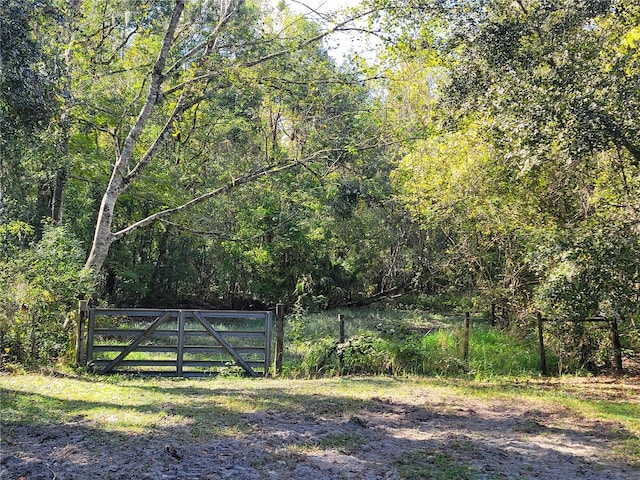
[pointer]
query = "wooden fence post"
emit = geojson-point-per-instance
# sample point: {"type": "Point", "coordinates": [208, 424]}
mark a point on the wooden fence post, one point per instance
{"type": "Point", "coordinates": [279, 337]}
{"type": "Point", "coordinates": [543, 359]}
{"type": "Point", "coordinates": [493, 314]}
{"type": "Point", "coordinates": [341, 339]}
{"type": "Point", "coordinates": [617, 347]}
{"type": "Point", "coordinates": [467, 327]}
{"type": "Point", "coordinates": [182, 325]}
{"type": "Point", "coordinates": [82, 316]}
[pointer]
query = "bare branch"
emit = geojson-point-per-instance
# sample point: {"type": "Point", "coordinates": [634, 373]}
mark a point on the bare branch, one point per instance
{"type": "Point", "coordinates": [338, 27]}
{"type": "Point", "coordinates": [228, 187]}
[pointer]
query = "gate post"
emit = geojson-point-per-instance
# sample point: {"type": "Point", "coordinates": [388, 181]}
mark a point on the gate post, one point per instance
{"type": "Point", "coordinates": [268, 332]}
{"type": "Point", "coordinates": [279, 337]}
{"type": "Point", "coordinates": [92, 323]}
{"type": "Point", "coordinates": [181, 338]}
{"type": "Point", "coordinates": [82, 316]}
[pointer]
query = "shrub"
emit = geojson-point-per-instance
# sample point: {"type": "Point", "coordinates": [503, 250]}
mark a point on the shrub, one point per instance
{"type": "Point", "coordinates": [40, 285]}
{"type": "Point", "coordinates": [367, 353]}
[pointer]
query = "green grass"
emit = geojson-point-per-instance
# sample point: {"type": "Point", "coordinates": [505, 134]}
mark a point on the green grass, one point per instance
{"type": "Point", "coordinates": [360, 321]}
{"type": "Point", "coordinates": [404, 343]}
{"type": "Point", "coordinates": [494, 352]}
{"type": "Point", "coordinates": [606, 401]}
{"type": "Point", "coordinates": [36, 398]}
{"type": "Point", "coordinates": [435, 465]}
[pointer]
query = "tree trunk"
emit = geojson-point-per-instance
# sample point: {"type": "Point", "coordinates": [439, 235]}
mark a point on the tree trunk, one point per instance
{"type": "Point", "coordinates": [57, 199]}
{"type": "Point", "coordinates": [62, 146]}
{"type": "Point", "coordinates": [103, 237]}
{"type": "Point", "coordinates": [126, 171]}
{"type": "Point", "coordinates": [121, 176]}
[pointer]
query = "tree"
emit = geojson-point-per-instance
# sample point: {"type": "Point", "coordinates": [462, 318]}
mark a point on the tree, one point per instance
{"type": "Point", "coordinates": [29, 101]}
{"type": "Point", "coordinates": [204, 50]}
{"type": "Point", "coordinates": [28, 80]}
{"type": "Point", "coordinates": [40, 282]}
{"type": "Point", "coordinates": [550, 90]}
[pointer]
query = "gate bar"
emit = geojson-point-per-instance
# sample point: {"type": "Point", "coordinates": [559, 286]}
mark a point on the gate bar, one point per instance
{"type": "Point", "coordinates": [224, 344]}
{"type": "Point", "coordinates": [147, 333]}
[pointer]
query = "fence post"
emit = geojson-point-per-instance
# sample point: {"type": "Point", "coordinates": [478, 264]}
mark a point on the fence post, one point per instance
{"type": "Point", "coordinates": [279, 337]}
{"type": "Point", "coordinates": [617, 347]}
{"type": "Point", "coordinates": [467, 327]}
{"type": "Point", "coordinates": [82, 316]}
{"type": "Point", "coordinates": [341, 339]}
{"type": "Point", "coordinates": [90, 328]}
{"type": "Point", "coordinates": [543, 359]}
{"type": "Point", "coordinates": [268, 336]}
{"type": "Point", "coordinates": [182, 324]}
{"type": "Point", "coordinates": [493, 314]}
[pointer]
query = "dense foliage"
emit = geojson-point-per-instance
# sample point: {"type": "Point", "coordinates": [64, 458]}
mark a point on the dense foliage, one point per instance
{"type": "Point", "coordinates": [214, 153]}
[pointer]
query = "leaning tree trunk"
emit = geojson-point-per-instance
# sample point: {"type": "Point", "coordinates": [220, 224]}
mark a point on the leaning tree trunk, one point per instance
{"type": "Point", "coordinates": [103, 237]}
{"type": "Point", "coordinates": [121, 177]}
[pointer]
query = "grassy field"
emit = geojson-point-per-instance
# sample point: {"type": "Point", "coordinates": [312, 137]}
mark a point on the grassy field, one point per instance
{"type": "Point", "coordinates": [123, 401]}
{"type": "Point", "coordinates": [405, 342]}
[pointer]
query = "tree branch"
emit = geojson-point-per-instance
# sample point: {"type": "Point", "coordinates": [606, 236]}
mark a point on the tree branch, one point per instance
{"type": "Point", "coordinates": [226, 17]}
{"type": "Point", "coordinates": [191, 81]}
{"type": "Point", "coordinates": [232, 185]}
{"type": "Point", "coordinates": [180, 108]}
{"type": "Point", "coordinates": [152, 96]}
{"type": "Point", "coordinates": [338, 27]}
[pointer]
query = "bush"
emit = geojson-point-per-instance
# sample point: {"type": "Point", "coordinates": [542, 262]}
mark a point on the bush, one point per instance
{"type": "Point", "coordinates": [583, 273]}
{"type": "Point", "coordinates": [40, 285]}
{"type": "Point", "coordinates": [366, 353]}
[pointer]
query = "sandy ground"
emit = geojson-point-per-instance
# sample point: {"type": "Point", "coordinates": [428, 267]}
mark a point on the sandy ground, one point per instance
{"type": "Point", "coordinates": [421, 436]}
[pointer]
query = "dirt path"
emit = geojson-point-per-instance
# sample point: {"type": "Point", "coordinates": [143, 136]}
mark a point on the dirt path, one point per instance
{"type": "Point", "coordinates": [422, 435]}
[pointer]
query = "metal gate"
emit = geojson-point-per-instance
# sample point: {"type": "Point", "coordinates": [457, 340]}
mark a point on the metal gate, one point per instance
{"type": "Point", "coordinates": [175, 342]}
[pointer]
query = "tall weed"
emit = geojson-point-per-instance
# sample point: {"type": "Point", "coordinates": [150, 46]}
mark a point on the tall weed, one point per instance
{"type": "Point", "coordinates": [389, 345]}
